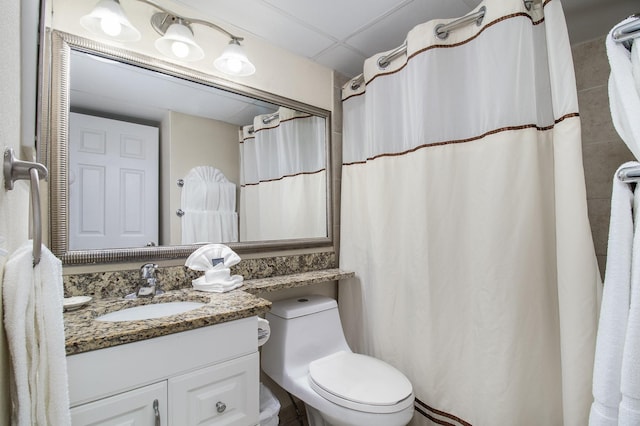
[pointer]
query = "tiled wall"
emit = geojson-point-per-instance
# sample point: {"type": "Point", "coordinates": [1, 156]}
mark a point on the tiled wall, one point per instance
{"type": "Point", "coordinates": [336, 155]}
{"type": "Point", "coordinates": [602, 149]}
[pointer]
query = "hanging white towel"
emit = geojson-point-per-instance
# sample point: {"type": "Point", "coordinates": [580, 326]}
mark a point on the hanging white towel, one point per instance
{"type": "Point", "coordinates": [629, 412]}
{"type": "Point", "coordinates": [209, 226]}
{"type": "Point", "coordinates": [614, 309]}
{"type": "Point", "coordinates": [209, 203]}
{"type": "Point", "coordinates": [33, 322]}
{"type": "Point", "coordinates": [624, 98]}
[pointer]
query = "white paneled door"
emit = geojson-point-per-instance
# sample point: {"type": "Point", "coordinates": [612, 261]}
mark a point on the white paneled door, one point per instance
{"type": "Point", "coordinates": [113, 183]}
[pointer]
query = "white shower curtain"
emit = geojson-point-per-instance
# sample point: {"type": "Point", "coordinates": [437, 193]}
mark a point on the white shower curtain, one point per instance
{"type": "Point", "coordinates": [464, 217]}
{"type": "Point", "coordinates": [283, 177]}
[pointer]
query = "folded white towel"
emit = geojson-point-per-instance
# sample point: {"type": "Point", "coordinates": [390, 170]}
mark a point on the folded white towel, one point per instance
{"type": "Point", "coordinates": [614, 310]}
{"type": "Point", "coordinates": [32, 298]}
{"type": "Point", "coordinates": [624, 101]}
{"type": "Point", "coordinates": [218, 286]}
{"type": "Point", "coordinates": [201, 258]}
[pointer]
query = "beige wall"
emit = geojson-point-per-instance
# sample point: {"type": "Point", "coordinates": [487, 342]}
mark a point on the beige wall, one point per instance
{"type": "Point", "coordinates": [278, 71]}
{"type": "Point", "coordinates": [602, 149]}
{"type": "Point", "coordinates": [193, 141]}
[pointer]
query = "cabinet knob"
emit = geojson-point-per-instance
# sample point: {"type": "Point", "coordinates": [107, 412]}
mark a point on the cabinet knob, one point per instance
{"type": "Point", "coordinates": [221, 406]}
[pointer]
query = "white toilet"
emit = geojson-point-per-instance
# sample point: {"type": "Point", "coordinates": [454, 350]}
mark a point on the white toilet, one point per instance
{"type": "Point", "coordinates": [308, 356]}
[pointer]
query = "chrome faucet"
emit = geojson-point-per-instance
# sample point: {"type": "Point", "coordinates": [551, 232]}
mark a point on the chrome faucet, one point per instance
{"type": "Point", "coordinates": [150, 286]}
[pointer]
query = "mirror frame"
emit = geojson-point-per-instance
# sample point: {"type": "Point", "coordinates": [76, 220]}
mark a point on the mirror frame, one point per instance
{"type": "Point", "coordinates": [53, 150]}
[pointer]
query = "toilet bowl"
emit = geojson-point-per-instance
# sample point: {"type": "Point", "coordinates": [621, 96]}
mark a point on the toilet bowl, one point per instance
{"type": "Point", "coordinates": [308, 356]}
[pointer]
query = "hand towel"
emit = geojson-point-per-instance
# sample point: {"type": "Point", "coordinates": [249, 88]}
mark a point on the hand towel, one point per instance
{"type": "Point", "coordinates": [32, 297]}
{"type": "Point", "coordinates": [614, 310]}
{"type": "Point", "coordinates": [624, 99]}
{"type": "Point", "coordinates": [629, 411]}
{"type": "Point", "coordinates": [209, 203]}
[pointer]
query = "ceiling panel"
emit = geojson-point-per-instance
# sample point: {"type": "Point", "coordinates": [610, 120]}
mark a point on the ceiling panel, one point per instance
{"type": "Point", "coordinates": [337, 18]}
{"type": "Point", "coordinates": [391, 31]}
{"type": "Point", "coordinates": [258, 18]}
{"type": "Point", "coordinates": [342, 59]}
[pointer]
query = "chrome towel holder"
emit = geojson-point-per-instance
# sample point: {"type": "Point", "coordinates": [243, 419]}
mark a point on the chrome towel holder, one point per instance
{"type": "Point", "coordinates": [14, 170]}
{"type": "Point", "coordinates": [627, 32]}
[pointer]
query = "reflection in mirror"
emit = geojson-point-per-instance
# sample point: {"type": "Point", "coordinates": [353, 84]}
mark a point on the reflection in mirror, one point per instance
{"type": "Point", "coordinates": [159, 156]}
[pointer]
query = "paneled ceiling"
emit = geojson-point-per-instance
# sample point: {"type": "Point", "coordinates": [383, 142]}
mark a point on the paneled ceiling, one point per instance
{"type": "Point", "coordinates": [341, 34]}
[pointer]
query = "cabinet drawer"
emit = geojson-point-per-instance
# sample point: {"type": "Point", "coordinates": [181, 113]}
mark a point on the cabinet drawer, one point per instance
{"type": "Point", "coordinates": [137, 363]}
{"type": "Point", "coordinates": [135, 408]}
{"type": "Point", "coordinates": [225, 394]}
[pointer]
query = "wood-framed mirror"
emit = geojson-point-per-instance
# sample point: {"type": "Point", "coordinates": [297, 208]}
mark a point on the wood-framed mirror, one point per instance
{"type": "Point", "coordinates": [277, 205]}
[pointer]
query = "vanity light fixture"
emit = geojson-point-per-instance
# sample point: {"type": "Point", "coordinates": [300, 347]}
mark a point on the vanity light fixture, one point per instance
{"type": "Point", "coordinates": [177, 38]}
{"type": "Point", "coordinates": [108, 19]}
{"type": "Point", "coordinates": [177, 41]}
{"type": "Point", "coordinates": [233, 60]}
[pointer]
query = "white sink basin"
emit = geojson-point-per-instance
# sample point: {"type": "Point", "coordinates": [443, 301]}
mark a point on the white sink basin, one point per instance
{"type": "Point", "coordinates": [154, 310]}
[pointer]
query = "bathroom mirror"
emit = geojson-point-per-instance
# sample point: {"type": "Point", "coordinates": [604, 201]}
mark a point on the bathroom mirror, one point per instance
{"type": "Point", "coordinates": [205, 129]}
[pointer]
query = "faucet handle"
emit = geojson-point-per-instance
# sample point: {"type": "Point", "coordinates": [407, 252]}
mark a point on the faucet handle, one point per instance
{"type": "Point", "coordinates": [148, 270]}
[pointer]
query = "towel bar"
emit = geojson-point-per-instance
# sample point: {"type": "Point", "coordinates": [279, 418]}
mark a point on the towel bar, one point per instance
{"type": "Point", "coordinates": [627, 32]}
{"type": "Point", "coordinates": [14, 170]}
{"type": "Point", "coordinates": [629, 174]}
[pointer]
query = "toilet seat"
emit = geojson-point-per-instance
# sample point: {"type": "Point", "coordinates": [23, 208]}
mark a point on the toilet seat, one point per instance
{"type": "Point", "coordinates": [360, 382]}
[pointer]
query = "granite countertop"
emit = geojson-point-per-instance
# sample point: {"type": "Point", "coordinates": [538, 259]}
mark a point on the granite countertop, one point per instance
{"type": "Point", "coordinates": [83, 333]}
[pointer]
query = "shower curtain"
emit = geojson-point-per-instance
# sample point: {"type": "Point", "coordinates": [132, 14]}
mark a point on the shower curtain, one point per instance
{"type": "Point", "coordinates": [283, 177]}
{"type": "Point", "coordinates": [464, 217]}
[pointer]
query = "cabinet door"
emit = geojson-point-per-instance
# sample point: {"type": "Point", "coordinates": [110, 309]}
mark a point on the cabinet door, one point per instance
{"type": "Point", "coordinates": [225, 394]}
{"type": "Point", "coordinates": [146, 406]}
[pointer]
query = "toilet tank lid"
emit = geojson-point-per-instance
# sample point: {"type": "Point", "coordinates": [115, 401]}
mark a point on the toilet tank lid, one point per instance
{"type": "Point", "coordinates": [303, 305]}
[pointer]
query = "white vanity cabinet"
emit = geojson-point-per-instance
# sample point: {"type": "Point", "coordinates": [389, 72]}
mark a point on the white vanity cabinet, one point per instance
{"type": "Point", "coordinates": [205, 376]}
{"type": "Point", "coordinates": [137, 407]}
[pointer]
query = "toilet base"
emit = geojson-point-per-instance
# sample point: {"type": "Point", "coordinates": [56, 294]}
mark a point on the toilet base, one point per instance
{"type": "Point", "coordinates": [314, 417]}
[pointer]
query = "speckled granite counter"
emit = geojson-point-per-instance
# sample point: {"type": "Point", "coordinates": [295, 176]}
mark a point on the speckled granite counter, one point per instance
{"type": "Point", "coordinates": [266, 285]}
{"type": "Point", "coordinates": [83, 333]}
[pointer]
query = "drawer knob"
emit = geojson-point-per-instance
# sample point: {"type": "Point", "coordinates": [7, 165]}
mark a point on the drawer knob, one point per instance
{"type": "Point", "coordinates": [221, 406]}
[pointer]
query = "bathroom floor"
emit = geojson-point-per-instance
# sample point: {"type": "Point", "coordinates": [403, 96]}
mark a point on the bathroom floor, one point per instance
{"type": "Point", "coordinates": [289, 417]}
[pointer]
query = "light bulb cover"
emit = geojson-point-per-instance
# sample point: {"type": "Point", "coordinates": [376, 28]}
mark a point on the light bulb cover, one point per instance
{"type": "Point", "coordinates": [234, 61]}
{"type": "Point", "coordinates": [107, 19]}
{"type": "Point", "coordinates": [175, 39]}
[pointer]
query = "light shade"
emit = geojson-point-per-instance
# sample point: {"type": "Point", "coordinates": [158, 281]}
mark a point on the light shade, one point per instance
{"type": "Point", "coordinates": [233, 61]}
{"type": "Point", "coordinates": [108, 19]}
{"type": "Point", "coordinates": [178, 43]}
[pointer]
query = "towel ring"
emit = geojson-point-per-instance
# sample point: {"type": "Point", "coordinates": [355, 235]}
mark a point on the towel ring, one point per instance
{"type": "Point", "coordinates": [14, 170]}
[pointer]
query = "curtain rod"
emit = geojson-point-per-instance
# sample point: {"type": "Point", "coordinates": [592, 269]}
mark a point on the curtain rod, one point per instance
{"type": "Point", "coordinates": [441, 31]}
{"type": "Point", "coordinates": [266, 120]}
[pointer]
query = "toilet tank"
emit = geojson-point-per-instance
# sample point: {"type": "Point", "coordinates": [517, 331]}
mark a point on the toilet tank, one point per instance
{"type": "Point", "coordinates": [303, 329]}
